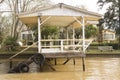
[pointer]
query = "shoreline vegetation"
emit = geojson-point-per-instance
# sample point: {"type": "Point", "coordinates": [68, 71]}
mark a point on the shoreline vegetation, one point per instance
{"type": "Point", "coordinates": [34, 50]}
{"type": "Point", "coordinates": [90, 53]}
{"type": "Point", "coordinates": [87, 52]}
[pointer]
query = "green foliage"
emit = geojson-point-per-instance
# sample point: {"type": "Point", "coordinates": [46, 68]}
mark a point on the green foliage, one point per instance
{"type": "Point", "coordinates": [10, 43]}
{"type": "Point", "coordinates": [17, 6]}
{"type": "Point", "coordinates": [35, 30]}
{"type": "Point", "coordinates": [90, 31]}
{"type": "Point", "coordinates": [49, 31]}
{"type": "Point", "coordinates": [46, 31]}
{"type": "Point", "coordinates": [4, 27]}
{"type": "Point", "coordinates": [1, 37]}
{"type": "Point", "coordinates": [111, 17]}
{"type": "Point", "coordinates": [114, 45]}
{"type": "Point", "coordinates": [78, 32]}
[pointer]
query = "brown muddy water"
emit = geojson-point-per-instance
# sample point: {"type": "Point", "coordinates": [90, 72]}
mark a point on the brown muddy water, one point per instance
{"type": "Point", "coordinates": [97, 68]}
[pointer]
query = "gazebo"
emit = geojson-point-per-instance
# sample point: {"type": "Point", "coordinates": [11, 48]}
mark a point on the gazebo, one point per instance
{"type": "Point", "coordinates": [61, 15]}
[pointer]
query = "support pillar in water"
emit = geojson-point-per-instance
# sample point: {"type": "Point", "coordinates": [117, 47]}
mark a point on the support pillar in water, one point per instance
{"type": "Point", "coordinates": [11, 63]}
{"type": "Point", "coordinates": [83, 63]}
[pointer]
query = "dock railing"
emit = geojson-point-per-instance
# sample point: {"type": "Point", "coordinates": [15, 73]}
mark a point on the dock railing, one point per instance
{"type": "Point", "coordinates": [61, 44]}
{"type": "Point", "coordinates": [66, 44]}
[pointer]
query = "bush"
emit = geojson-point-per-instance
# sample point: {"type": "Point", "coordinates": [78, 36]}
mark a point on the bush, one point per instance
{"type": "Point", "coordinates": [10, 43]}
{"type": "Point", "coordinates": [1, 38]}
{"type": "Point", "coordinates": [114, 45]}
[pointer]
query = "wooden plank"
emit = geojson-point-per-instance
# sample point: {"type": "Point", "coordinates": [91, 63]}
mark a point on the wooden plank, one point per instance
{"type": "Point", "coordinates": [64, 55]}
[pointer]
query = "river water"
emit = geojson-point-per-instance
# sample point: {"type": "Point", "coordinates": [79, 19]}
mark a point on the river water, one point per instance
{"type": "Point", "coordinates": [97, 68]}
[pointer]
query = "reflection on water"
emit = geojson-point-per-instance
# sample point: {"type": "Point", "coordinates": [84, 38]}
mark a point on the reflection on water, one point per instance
{"type": "Point", "coordinates": [97, 68]}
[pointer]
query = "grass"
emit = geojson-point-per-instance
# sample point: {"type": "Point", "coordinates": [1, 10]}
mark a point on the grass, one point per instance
{"type": "Point", "coordinates": [103, 52]}
{"type": "Point", "coordinates": [14, 52]}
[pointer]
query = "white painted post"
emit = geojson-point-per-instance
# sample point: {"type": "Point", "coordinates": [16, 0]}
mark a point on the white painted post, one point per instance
{"type": "Point", "coordinates": [73, 38]}
{"type": "Point", "coordinates": [67, 37]}
{"type": "Point", "coordinates": [83, 33]}
{"type": "Point", "coordinates": [62, 45]}
{"type": "Point", "coordinates": [39, 35]}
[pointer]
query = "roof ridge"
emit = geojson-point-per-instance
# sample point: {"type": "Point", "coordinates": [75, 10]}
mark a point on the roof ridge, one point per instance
{"type": "Point", "coordinates": [61, 5]}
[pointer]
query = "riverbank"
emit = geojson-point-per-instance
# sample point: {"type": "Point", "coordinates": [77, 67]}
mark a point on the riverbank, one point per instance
{"type": "Point", "coordinates": [88, 54]}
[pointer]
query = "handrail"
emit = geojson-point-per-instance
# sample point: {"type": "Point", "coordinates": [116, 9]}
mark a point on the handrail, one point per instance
{"type": "Point", "coordinates": [88, 44]}
{"type": "Point", "coordinates": [63, 39]}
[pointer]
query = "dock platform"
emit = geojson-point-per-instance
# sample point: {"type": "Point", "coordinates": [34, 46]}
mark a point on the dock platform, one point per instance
{"type": "Point", "coordinates": [64, 55]}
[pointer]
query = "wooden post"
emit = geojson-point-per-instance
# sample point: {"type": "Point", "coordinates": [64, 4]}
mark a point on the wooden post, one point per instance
{"type": "Point", "coordinates": [55, 61]}
{"type": "Point", "coordinates": [83, 34]}
{"type": "Point", "coordinates": [74, 61]}
{"type": "Point", "coordinates": [41, 69]}
{"type": "Point", "coordinates": [11, 64]}
{"type": "Point", "coordinates": [68, 59]}
{"type": "Point", "coordinates": [83, 63]}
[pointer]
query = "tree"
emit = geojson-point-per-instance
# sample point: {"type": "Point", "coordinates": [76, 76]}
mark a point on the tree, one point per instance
{"type": "Point", "coordinates": [4, 27]}
{"type": "Point", "coordinates": [90, 31]}
{"type": "Point", "coordinates": [100, 35]}
{"type": "Point", "coordinates": [1, 37]}
{"type": "Point", "coordinates": [49, 32]}
{"type": "Point", "coordinates": [14, 8]}
{"type": "Point", "coordinates": [1, 1]}
{"type": "Point", "coordinates": [111, 17]}
{"type": "Point", "coordinates": [18, 6]}
{"type": "Point", "coordinates": [10, 43]}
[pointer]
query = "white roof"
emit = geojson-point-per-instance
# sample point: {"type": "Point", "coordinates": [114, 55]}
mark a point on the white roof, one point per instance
{"type": "Point", "coordinates": [61, 15]}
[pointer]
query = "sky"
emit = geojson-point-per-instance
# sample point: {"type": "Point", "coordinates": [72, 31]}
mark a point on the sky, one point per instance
{"type": "Point", "coordinates": [90, 5]}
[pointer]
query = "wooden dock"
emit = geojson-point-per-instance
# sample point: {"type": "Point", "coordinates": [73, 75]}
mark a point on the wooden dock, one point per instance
{"type": "Point", "coordinates": [64, 55]}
